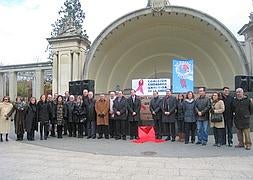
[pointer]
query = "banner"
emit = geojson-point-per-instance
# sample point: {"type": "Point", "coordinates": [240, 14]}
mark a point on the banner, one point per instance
{"type": "Point", "coordinates": [182, 80]}
{"type": "Point", "coordinates": [146, 87]}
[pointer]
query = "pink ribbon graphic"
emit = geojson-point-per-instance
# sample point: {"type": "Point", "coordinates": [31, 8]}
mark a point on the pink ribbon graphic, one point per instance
{"type": "Point", "coordinates": [140, 88]}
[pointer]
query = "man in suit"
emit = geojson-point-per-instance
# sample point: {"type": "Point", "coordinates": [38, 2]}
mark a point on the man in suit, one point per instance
{"type": "Point", "coordinates": [134, 108]}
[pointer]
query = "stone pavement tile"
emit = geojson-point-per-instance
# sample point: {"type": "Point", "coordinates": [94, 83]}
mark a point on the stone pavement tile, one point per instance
{"type": "Point", "coordinates": [195, 173]}
{"type": "Point", "coordinates": [133, 170]}
{"type": "Point", "coordinates": [164, 172]}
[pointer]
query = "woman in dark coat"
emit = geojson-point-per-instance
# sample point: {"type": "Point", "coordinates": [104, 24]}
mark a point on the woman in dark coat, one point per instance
{"type": "Point", "coordinates": [31, 119]}
{"type": "Point", "coordinates": [180, 117]}
{"type": "Point", "coordinates": [59, 115]}
{"type": "Point", "coordinates": [189, 117]}
{"type": "Point", "coordinates": [19, 118]}
{"type": "Point", "coordinates": [44, 111]}
{"type": "Point", "coordinates": [80, 116]}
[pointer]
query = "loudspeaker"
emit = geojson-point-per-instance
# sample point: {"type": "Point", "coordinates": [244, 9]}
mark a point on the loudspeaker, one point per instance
{"type": "Point", "coordinates": [244, 82]}
{"type": "Point", "coordinates": [77, 87]}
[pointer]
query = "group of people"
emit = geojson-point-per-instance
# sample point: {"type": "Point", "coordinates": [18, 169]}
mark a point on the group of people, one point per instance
{"type": "Point", "coordinates": [110, 117]}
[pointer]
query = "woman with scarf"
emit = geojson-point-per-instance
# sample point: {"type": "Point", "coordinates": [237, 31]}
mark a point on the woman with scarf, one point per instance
{"type": "Point", "coordinates": [80, 116]}
{"type": "Point", "coordinates": [59, 115]}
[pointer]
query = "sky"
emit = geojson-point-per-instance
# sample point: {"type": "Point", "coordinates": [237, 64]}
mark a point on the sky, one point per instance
{"type": "Point", "coordinates": [25, 24]}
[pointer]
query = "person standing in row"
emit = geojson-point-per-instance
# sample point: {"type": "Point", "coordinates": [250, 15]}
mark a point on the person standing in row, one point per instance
{"type": "Point", "coordinates": [189, 117]}
{"type": "Point", "coordinates": [102, 111]}
{"type": "Point", "coordinates": [218, 127]}
{"type": "Point", "coordinates": [111, 115]}
{"type": "Point", "coordinates": [120, 115]}
{"type": "Point", "coordinates": [51, 116]}
{"type": "Point", "coordinates": [155, 109]}
{"type": "Point", "coordinates": [59, 115]}
{"type": "Point", "coordinates": [134, 113]}
{"type": "Point", "coordinates": [5, 121]}
{"type": "Point", "coordinates": [44, 112]}
{"type": "Point", "coordinates": [69, 113]}
{"type": "Point", "coordinates": [31, 120]}
{"type": "Point", "coordinates": [228, 117]}
{"type": "Point", "coordinates": [202, 108]}
{"type": "Point", "coordinates": [19, 118]}
{"type": "Point", "coordinates": [242, 110]}
{"type": "Point", "coordinates": [180, 117]}
{"type": "Point", "coordinates": [85, 98]}
{"type": "Point", "coordinates": [80, 116]}
{"type": "Point", "coordinates": [169, 105]}
{"type": "Point", "coordinates": [91, 115]}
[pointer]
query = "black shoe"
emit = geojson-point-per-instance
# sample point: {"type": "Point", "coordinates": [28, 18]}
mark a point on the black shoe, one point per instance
{"type": "Point", "coordinates": [192, 141]}
{"type": "Point", "coordinates": [186, 142]}
{"type": "Point", "coordinates": [215, 144]}
{"type": "Point", "coordinates": [70, 135]}
{"type": "Point", "coordinates": [204, 143]}
{"type": "Point", "coordinates": [100, 137]}
{"type": "Point", "coordinates": [106, 136]}
{"type": "Point", "coordinates": [117, 138]}
{"type": "Point", "coordinates": [198, 142]}
{"type": "Point", "coordinates": [173, 140]}
{"type": "Point", "coordinates": [41, 138]}
{"type": "Point", "coordinates": [167, 139]}
{"type": "Point", "coordinates": [111, 136]}
{"type": "Point", "coordinates": [88, 137]}
{"type": "Point", "coordinates": [131, 137]}
{"type": "Point", "coordinates": [45, 138]}
{"type": "Point", "coordinates": [123, 137]}
{"type": "Point", "coordinates": [74, 135]}
{"type": "Point", "coordinates": [93, 137]}
{"type": "Point", "coordinates": [230, 145]}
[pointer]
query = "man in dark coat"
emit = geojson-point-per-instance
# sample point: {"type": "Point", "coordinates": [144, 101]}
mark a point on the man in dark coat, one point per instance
{"type": "Point", "coordinates": [69, 113]}
{"type": "Point", "coordinates": [85, 98]}
{"type": "Point", "coordinates": [228, 116]}
{"type": "Point", "coordinates": [112, 127]}
{"type": "Point", "coordinates": [168, 107]}
{"type": "Point", "coordinates": [242, 110]}
{"type": "Point", "coordinates": [202, 107]}
{"type": "Point", "coordinates": [120, 111]}
{"type": "Point", "coordinates": [155, 109]}
{"type": "Point", "coordinates": [51, 116]}
{"type": "Point", "coordinates": [134, 113]}
{"type": "Point", "coordinates": [91, 115]}
{"type": "Point", "coordinates": [31, 119]}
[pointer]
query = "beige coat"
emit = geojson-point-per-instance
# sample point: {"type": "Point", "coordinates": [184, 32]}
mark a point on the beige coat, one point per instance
{"type": "Point", "coordinates": [5, 125]}
{"type": "Point", "coordinates": [102, 107]}
{"type": "Point", "coordinates": [219, 107]}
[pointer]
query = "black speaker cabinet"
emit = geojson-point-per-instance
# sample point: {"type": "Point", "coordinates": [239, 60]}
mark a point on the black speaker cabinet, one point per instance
{"type": "Point", "coordinates": [77, 87]}
{"type": "Point", "coordinates": [244, 82]}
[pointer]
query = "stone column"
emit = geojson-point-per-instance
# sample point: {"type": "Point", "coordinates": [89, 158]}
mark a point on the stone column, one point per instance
{"type": "Point", "coordinates": [76, 66]}
{"type": "Point", "coordinates": [39, 83]}
{"type": "Point", "coordinates": [55, 73]}
{"type": "Point", "coordinates": [1, 85]}
{"type": "Point", "coordinates": [13, 85]}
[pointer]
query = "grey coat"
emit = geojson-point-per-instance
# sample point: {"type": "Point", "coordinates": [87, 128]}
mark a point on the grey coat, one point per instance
{"type": "Point", "coordinates": [203, 104]}
{"type": "Point", "coordinates": [155, 105]}
{"type": "Point", "coordinates": [120, 106]}
{"type": "Point", "coordinates": [189, 111]}
{"type": "Point", "coordinates": [169, 104]}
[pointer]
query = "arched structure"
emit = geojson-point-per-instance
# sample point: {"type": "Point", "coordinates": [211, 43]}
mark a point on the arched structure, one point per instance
{"type": "Point", "coordinates": [142, 44]}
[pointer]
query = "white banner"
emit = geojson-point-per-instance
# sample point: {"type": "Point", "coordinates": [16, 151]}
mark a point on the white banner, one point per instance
{"type": "Point", "coordinates": [146, 87]}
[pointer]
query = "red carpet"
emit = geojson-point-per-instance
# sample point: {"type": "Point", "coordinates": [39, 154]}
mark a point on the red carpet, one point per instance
{"type": "Point", "coordinates": [147, 134]}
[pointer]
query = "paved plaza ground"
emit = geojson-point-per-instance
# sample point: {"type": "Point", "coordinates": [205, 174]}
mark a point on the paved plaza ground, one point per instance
{"type": "Point", "coordinates": [72, 158]}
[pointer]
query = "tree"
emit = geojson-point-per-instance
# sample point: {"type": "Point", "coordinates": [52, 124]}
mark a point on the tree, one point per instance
{"type": "Point", "coordinates": [70, 21]}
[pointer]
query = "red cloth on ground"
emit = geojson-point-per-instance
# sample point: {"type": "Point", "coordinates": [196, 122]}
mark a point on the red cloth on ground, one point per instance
{"type": "Point", "coordinates": [146, 134]}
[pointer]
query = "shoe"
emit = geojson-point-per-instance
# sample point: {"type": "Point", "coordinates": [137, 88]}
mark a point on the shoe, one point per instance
{"type": "Point", "coordinates": [45, 138]}
{"type": "Point", "coordinates": [93, 137]}
{"type": "Point", "coordinates": [117, 138]}
{"type": "Point", "coordinates": [218, 145]}
{"type": "Point", "coordinates": [239, 146]}
{"type": "Point", "coordinates": [131, 137]}
{"type": "Point", "coordinates": [88, 137]}
{"type": "Point", "coordinates": [106, 137]}
{"type": "Point", "coordinates": [136, 137]}
{"type": "Point", "coordinates": [186, 142]}
{"type": "Point", "coordinates": [74, 135]}
{"type": "Point", "coordinates": [123, 137]}
{"type": "Point", "coordinates": [100, 137]}
{"type": "Point", "coordinates": [167, 139]}
{"type": "Point", "coordinates": [248, 148]}
{"type": "Point", "coordinates": [204, 143]}
{"type": "Point", "coordinates": [230, 145]}
{"type": "Point", "coordinates": [198, 142]}
{"type": "Point", "coordinates": [111, 136]}
{"type": "Point", "coordinates": [215, 144]}
{"type": "Point", "coordinates": [41, 138]}
{"type": "Point", "coordinates": [70, 135]}
{"type": "Point", "coordinates": [173, 140]}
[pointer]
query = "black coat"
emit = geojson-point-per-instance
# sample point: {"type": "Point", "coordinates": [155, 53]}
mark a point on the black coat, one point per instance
{"type": "Point", "coordinates": [155, 106]}
{"type": "Point", "coordinates": [120, 106]}
{"type": "Point", "coordinates": [79, 113]}
{"type": "Point", "coordinates": [242, 110]}
{"type": "Point", "coordinates": [31, 118]}
{"type": "Point", "coordinates": [89, 105]}
{"type": "Point", "coordinates": [228, 113]}
{"type": "Point", "coordinates": [44, 111]}
{"type": "Point", "coordinates": [169, 104]}
{"type": "Point", "coordinates": [189, 111]}
{"type": "Point", "coordinates": [180, 113]}
{"type": "Point", "coordinates": [69, 111]}
{"type": "Point", "coordinates": [51, 115]}
{"type": "Point", "coordinates": [203, 104]}
{"type": "Point", "coordinates": [134, 107]}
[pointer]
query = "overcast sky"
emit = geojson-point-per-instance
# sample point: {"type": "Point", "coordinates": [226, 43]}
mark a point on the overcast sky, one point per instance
{"type": "Point", "coordinates": [25, 24]}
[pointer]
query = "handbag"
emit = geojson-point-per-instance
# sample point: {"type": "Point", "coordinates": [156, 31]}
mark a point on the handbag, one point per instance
{"type": "Point", "coordinates": [216, 117]}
